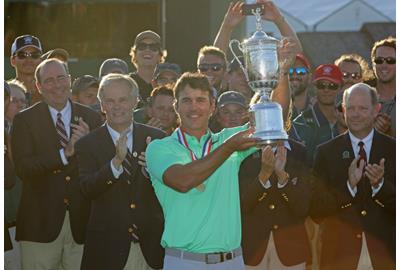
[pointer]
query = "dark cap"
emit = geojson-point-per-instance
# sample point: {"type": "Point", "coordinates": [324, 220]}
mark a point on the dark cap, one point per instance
{"type": "Point", "coordinates": [25, 41]}
{"type": "Point", "coordinates": [172, 67]}
{"type": "Point", "coordinates": [301, 57]}
{"type": "Point", "coordinates": [328, 72]}
{"type": "Point", "coordinates": [82, 83]}
{"type": "Point", "coordinates": [58, 53]}
{"type": "Point", "coordinates": [113, 65]}
{"type": "Point", "coordinates": [7, 89]}
{"type": "Point", "coordinates": [231, 97]}
{"type": "Point", "coordinates": [234, 64]}
{"type": "Point", "coordinates": [148, 34]}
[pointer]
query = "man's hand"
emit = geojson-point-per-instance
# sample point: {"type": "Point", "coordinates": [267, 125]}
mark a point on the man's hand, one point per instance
{"type": "Point", "coordinates": [375, 172]}
{"type": "Point", "coordinates": [355, 173]}
{"type": "Point", "coordinates": [287, 50]}
{"type": "Point", "coordinates": [233, 16]}
{"type": "Point", "coordinates": [241, 141]}
{"type": "Point", "coordinates": [280, 163]}
{"type": "Point", "coordinates": [121, 149]}
{"type": "Point", "coordinates": [155, 122]}
{"type": "Point", "coordinates": [383, 123]}
{"type": "Point", "coordinates": [267, 164]}
{"type": "Point", "coordinates": [271, 12]}
{"type": "Point", "coordinates": [78, 131]}
{"type": "Point", "coordinates": [142, 156]}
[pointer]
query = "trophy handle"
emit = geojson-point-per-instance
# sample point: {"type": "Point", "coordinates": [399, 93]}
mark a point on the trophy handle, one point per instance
{"type": "Point", "coordinates": [231, 43]}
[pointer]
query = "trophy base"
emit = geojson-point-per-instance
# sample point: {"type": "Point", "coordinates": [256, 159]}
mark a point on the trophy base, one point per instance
{"type": "Point", "coordinates": [270, 139]}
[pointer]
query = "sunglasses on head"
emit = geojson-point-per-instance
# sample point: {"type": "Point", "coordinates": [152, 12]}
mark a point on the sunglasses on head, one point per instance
{"type": "Point", "coordinates": [354, 76]}
{"type": "Point", "coordinates": [325, 85]}
{"type": "Point", "coordinates": [151, 46]}
{"type": "Point", "coordinates": [213, 67]}
{"type": "Point", "coordinates": [23, 55]}
{"type": "Point", "coordinates": [298, 71]}
{"type": "Point", "coordinates": [388, 60]}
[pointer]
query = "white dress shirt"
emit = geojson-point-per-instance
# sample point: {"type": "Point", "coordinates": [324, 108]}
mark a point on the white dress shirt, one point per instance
{"type": "Point", "coordinates": [356, 149]}
{"type": "Point", "coordinates": [66, 118]}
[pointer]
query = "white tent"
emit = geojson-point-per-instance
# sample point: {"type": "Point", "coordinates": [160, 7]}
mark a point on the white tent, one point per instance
{"type": "Point", "coordinates": [330, 15]}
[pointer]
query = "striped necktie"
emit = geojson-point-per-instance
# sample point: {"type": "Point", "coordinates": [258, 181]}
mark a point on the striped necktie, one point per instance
{"type": "Point", "coordinates": [127, 163]}
{"type": "Point", "coordinates": [61, 131]}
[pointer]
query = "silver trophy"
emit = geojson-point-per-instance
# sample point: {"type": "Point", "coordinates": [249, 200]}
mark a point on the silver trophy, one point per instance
{"type": "Point", "coordinates": [262, 74]}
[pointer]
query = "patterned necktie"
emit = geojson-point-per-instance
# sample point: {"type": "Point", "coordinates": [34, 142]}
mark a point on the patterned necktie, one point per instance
{"type": "Point", "coordinates": [61, 131]}
{"type": "Point", "coordinates": [127, 163]}
{"type": "Point", "coordinates": [362, 155]}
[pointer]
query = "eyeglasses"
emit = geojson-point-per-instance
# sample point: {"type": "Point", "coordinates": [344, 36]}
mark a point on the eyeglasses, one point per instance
{"type": "Point", "coordinates": [354, 76]}
{"type": "Point", "coordinates": [298, 71]}
{"type": "Point", "coordinates": [155, 47]}
{"type": "Point", "coordinates": [23, 55]}
{"type": "Point", "coordinates": [388, 60]}
{"type": "Point", "coordinates": [214, 67]}
{"type": "Point", "coordinates": [330, 86]}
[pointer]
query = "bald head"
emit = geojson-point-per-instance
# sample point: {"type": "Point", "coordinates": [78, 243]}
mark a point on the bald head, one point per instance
{"type": "Point", "coordinates": [360, 104]}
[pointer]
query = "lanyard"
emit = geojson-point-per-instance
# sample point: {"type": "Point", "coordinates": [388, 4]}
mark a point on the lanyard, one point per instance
{"type": "Point", "coordinates": [206, 147]}
{"type": "Point", "coordinates": [206, 150]}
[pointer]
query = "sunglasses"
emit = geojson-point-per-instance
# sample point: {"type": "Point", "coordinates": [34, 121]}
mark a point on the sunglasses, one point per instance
{"type": "Point", "coordinates": [298, 71]}
{"type": "Point", "coordinates": [155, 47]}
{"type": "Point", "coordinates": [388, 60]}
{"type": "Point", "coordinates": [213, 67]}
{"type": "Point", "coordinates": [330, 86]}
{"type": "Point", "coordinates": [24, 55]}
{"type": "Point", "coordinates": [354, 76]}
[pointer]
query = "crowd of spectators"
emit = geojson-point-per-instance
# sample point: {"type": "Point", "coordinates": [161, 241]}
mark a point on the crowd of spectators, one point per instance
{"type": "Point", "coordinates": [156, 169]}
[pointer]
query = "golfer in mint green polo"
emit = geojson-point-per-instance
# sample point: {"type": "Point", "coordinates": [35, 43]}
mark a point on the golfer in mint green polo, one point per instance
{"type": "Point", "coordinates": [195, 176]}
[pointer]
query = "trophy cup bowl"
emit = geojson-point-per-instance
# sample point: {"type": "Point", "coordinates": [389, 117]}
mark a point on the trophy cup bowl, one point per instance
{"type": "Point", "coordinates": [262, 73]}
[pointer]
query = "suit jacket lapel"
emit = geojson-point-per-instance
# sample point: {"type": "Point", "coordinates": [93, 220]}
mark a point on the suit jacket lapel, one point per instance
{"type": "Point", "coordinates": [74, 115]}
{"type": "Point", "coordinates": [346, 155]}
{"type": "Point", "coordinates": [139, 143]}
{"type": "Point", "coordinates": [106, 143]}
{"type": "Point", "coordinates": [376, 152]}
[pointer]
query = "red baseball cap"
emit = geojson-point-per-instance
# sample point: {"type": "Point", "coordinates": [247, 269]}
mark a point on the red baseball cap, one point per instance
{"type": "Point", "coordinates": [328, 72]}
{"type": "Point", "coordinates": [303, 59]}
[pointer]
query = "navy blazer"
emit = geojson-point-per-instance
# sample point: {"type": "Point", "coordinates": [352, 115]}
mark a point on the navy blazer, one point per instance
{"type": "Point", "coordinates": [343, 217]}
{"type": "Point", "coordinates": [282, 211]}
{"type": "Point", "coordinates": [49, 187]}
{"type": "Point", "coordinates": [118, 203]}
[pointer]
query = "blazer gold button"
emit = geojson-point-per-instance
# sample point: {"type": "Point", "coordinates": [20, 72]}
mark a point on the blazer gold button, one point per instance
{"type": "Point", "coordinates": [130, 230]}
{"type": "Point", "coordinates": [275, 227]}
{"type": "Point", "coordinates": [134, 154]}
{"type": "Point", "coordinates": [55, 171]}
{"type": "Point", "coordinates": [271, 207]}
{"type": "Point", "coordinates": [363, 213]}
{"type": "Point", "coordinates": [67, 178]}
{"type": "Point", "coordinates": [358, 235]}
{"type": "Point", "coordinates": [133, 206]}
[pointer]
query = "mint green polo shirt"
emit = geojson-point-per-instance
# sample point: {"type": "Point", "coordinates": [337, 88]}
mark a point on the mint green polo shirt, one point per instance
{"type": "Point", "coordinates": [198, 221]}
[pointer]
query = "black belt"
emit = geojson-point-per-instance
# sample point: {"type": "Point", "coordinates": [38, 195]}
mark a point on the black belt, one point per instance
{"type": "Point", "coordinates": [208, 258]}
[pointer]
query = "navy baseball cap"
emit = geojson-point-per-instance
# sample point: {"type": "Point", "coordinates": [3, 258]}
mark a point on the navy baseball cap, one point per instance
{"type": "Point", "coordinates": [25, 41]}
{"type": "Point", "coordinates": [231, 97]}
{"type": "Point", "coordinates": [113, 65]}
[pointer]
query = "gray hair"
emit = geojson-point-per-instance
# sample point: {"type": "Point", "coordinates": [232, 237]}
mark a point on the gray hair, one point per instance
{"type": "Point", "coordinates": [115, 77]}
{"type": "Point", "coordinates": [364, 87]}
{"type": "Point", "coordinates": [46, 62]}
